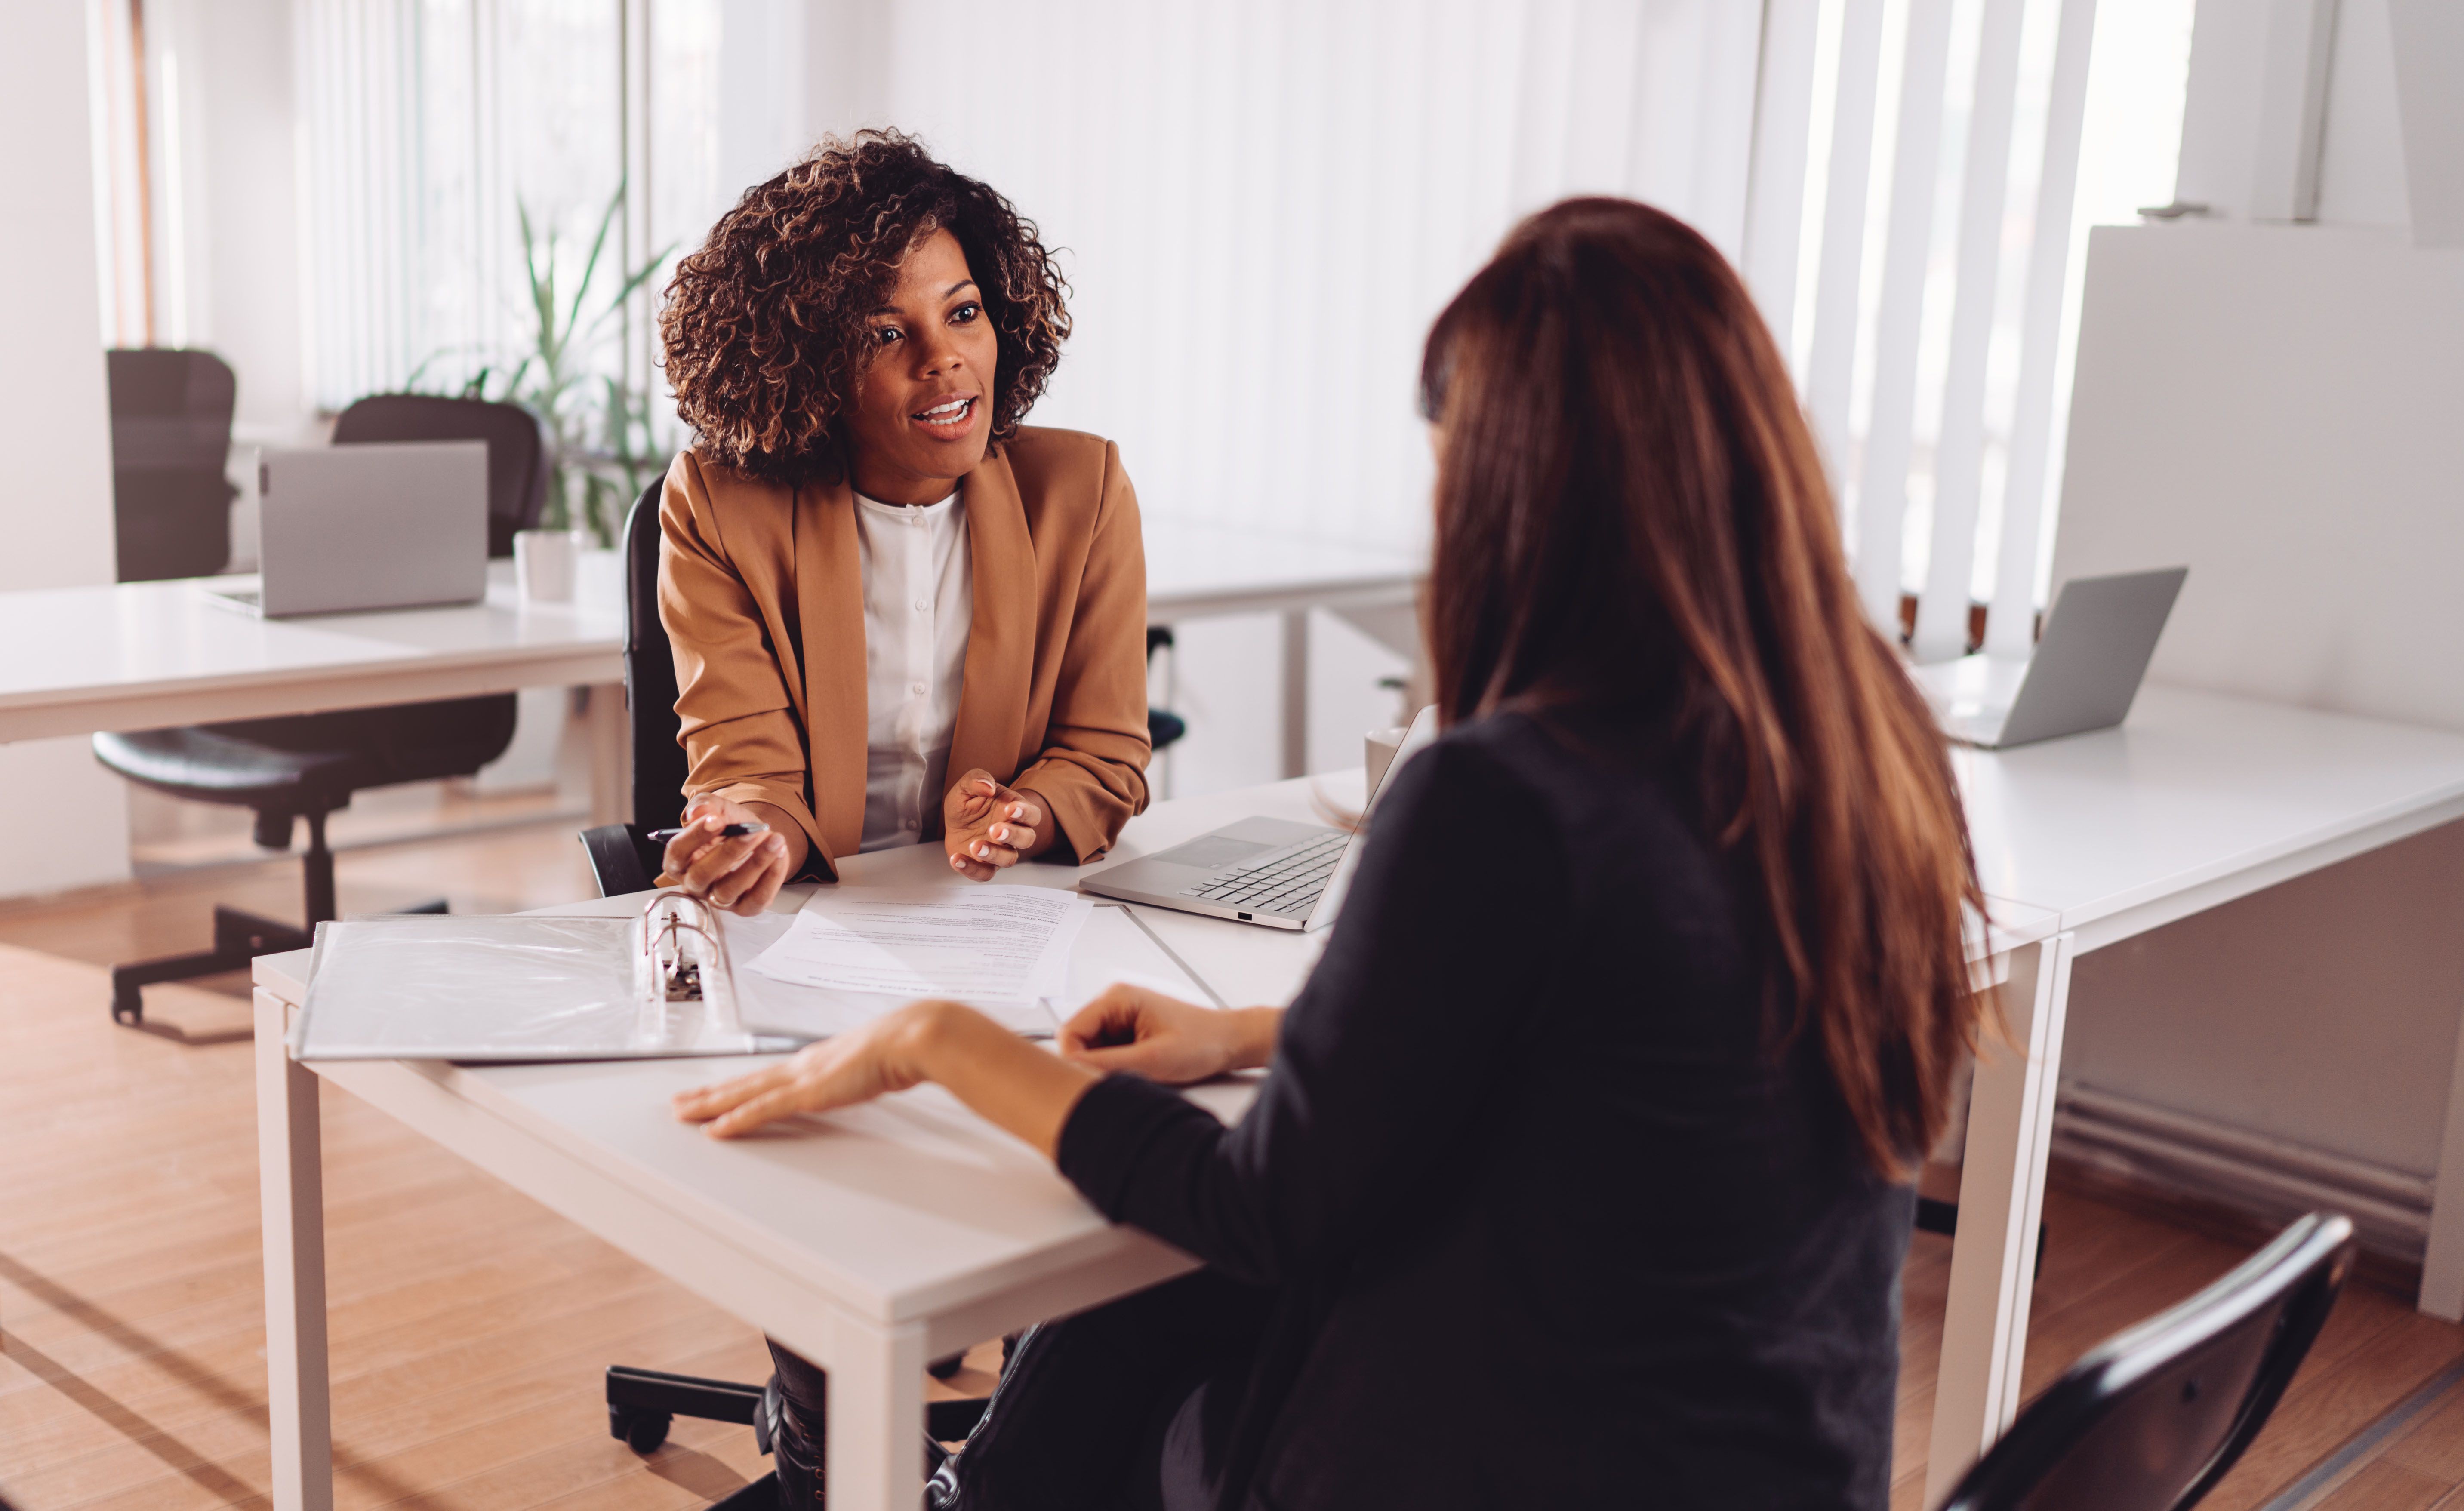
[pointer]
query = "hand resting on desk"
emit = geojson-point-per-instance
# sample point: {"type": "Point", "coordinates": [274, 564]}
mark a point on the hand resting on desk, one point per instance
{"type": "Point", "coordinates": [1023, 1089]}
{"type": "Point", "coordinates": [1165, 1039]}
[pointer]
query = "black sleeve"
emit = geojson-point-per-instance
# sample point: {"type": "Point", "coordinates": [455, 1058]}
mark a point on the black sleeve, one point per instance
{"type": "Point", "coordinates": [1431, 978]}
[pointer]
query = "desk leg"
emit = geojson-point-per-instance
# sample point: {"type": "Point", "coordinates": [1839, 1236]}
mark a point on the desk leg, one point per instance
{"type": "Point", "coordinates": [611, 756]}
{"type": "Point", "coordinates": [2001, 1196]}
{"type": "Point", "coordinates": [2442, 1264]}
{"type": "Point", "coordinates": [876, 1411]}
{"type": "Point", "coordinates": [1296, 670]}
{"type": "Point", "coordinates": [291, 1172]}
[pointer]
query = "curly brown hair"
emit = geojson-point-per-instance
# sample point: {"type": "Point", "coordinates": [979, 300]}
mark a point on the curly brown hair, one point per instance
{"type": "Point", "coordinates": [765, 325]}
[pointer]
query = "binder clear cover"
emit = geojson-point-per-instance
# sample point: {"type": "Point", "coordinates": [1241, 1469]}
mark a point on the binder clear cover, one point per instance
{"type": "Point", "coordinates": [494, 988]}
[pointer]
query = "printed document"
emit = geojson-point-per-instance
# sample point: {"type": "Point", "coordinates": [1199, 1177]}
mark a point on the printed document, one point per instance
{"type": "Point", "coordinates": [972, 942]}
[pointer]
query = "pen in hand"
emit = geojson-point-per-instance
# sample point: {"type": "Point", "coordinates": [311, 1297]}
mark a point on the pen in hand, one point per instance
{"type": "Point", "coordinates": [733, 831]}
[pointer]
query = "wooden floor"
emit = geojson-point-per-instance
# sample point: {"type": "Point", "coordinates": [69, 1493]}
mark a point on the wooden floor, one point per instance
{"type": "Point", "coordinates": [470, 1325]}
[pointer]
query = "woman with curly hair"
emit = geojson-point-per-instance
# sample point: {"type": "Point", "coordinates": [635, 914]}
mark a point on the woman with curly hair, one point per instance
{"type": "Point", "coordinates": [900, 616]}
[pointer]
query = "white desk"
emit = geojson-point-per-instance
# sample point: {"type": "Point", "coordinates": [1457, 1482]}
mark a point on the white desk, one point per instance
{"type": "Point", "coordinates": [149, 655]}
{"type": "Point", "coordinates": [2197, 800]}
{"type": "Point", "coordinates": [1200, 570]}
{"type": "Point", "coordinates": [912, 1230]}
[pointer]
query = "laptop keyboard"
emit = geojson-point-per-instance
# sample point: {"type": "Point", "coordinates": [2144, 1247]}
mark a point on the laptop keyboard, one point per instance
{"type": "Point", "coordinates": [1288, 884]}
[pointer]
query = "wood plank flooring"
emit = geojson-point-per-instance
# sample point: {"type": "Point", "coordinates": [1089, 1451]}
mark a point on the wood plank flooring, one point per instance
{"type": "Point", "coordinates": [470, 1325]}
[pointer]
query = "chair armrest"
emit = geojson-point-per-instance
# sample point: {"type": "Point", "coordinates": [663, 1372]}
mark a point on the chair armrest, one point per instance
{"type": "Point", "coordinates": [621, 860]}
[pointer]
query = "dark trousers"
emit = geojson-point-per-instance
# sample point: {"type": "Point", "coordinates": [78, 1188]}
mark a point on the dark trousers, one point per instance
{"type": "Point", "coordinates": [1127, 1407]}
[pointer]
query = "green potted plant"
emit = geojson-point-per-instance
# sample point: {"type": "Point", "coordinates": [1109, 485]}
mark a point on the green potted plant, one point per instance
{"type": "Point", "coordinates": [596, 428]}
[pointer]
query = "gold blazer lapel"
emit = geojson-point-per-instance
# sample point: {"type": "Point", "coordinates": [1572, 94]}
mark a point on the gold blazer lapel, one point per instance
{"type": "Point", "coordinates": [1001, 643]}
{"type": "Point", "coordinates": [830, 596]}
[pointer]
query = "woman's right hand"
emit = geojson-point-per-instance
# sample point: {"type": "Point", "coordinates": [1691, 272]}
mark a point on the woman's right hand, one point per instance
{"type": "Point", "coordinates": [1166, 1039]}
{"type": "Point", "coordinates": [740, 875]}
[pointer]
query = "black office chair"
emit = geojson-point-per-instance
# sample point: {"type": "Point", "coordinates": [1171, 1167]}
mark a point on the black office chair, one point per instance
{"type": "Point", "coordinates": [170, 438]}
{"type": "Point", "coordinates": [307, 766]}
{"type": "Point", "coordinates": [2152, 1418]}
{"type": "Point", "coordinates": [643, 1403]}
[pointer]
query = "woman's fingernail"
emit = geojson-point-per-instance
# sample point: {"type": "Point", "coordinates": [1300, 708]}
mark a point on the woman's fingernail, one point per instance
{"type": "Point", "coordinates": [1016, 811]}
{"type": "Point", "coordinates": [1000, 834]}
{"type": "Point", "coordinates": [983, 853]}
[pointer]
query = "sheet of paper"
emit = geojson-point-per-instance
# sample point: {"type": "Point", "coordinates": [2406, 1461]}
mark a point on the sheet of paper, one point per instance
{"type": "Point", "coordinates": [967, 942]}
{"type": "Point", "coordinates": [1110, 947]}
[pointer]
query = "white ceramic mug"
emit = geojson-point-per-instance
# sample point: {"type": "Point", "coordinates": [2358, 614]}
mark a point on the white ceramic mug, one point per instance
{"type": "Point", "coordinates": [543, 563]}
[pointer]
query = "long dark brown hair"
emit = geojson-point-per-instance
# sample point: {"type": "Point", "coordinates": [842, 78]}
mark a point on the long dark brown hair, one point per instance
{"type": "Point", "coordinates": [1630, 512]}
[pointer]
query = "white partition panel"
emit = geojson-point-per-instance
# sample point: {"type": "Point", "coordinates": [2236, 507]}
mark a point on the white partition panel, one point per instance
{"type": "Point", "coordinates": [2279, 408]}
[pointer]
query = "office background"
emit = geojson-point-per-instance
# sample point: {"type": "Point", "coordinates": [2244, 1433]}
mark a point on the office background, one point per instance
{"type": "Point", "coordinates": [1262, 207]}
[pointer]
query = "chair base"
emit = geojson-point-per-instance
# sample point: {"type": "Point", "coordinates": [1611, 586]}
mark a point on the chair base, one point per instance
{"type": "Point", "coordinates": [642, 1404]}
{"type": "Point", "coordinates": [240, 937]}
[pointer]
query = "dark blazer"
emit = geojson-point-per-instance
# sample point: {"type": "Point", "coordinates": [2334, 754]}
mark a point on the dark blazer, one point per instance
{"type": "Point", "coordinates": [1548, 1219]}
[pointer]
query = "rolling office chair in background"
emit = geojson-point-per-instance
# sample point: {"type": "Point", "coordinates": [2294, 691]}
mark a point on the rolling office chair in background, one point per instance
{"type": "Point", "coordinates": [171, 439]}
{"type": "Point", "coordinates": [2152, 1418]}
{"type": "Point", "coordinates": [306, 766]}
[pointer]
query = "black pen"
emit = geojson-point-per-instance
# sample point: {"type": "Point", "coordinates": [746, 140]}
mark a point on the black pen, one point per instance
{"type": "Point", "coordinates": [732, 831]}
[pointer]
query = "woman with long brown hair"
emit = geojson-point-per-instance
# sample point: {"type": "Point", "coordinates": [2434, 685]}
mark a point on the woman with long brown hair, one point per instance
{"type": "Point", "coordinates": [1580, 1175]}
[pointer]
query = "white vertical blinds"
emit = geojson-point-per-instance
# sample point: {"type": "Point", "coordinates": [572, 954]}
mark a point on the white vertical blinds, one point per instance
{"type": "Point", "coordinates": [427, 126]}
{"type": "Point", "coordinates": [1263, 204]}
{"type": "Point", "coordinates": [1932, 203]}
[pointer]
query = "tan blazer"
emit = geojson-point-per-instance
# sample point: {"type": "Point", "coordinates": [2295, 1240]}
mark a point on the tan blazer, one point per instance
{"type": "Point", "coordinates": [763, 596]}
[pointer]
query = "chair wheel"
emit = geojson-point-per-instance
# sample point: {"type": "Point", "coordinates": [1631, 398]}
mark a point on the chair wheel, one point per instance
{"type": "Point", "coordinates": [642, 1432]}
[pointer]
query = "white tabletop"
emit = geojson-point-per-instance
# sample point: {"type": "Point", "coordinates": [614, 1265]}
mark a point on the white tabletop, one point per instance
{"type": "Point", "coordinates": [913, 1206]}
{"type": "Point", "coordinates": [141, 655]}
{"type": "Point", "coordinates": [2195, 797]}
{"type": "Point", "coordinates": [144, 655]}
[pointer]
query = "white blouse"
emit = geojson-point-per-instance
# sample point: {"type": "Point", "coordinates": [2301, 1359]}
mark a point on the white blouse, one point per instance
{"type": "Point", "coordinates": [918, 605]}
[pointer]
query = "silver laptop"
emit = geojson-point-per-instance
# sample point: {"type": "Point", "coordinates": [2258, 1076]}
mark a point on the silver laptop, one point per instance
{"type": "Point", "coordinates": [391, 525]}
{"type": "Point", "coordinates": [1269, 871]}
{"type": "Point", "coordinates": [2085, 673]}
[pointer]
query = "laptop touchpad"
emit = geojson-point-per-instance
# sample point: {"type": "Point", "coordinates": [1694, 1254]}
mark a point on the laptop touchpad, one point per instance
{"type": "Point", "coordinates": [1212, 852]}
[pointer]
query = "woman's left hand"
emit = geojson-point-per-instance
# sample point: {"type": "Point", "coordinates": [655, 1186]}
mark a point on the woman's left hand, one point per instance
{"type": "Point", "coordinates": [839, 1071]}
{"type": "Point", "coordinates": [987, 826]}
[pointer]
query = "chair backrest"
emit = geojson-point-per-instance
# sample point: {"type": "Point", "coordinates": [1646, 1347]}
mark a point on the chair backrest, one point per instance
{"type": "Point", "coordinates": [170, 438]}
{"type": "Point", "coordinates": [2152, 1418]}
{"type": "Point", "coordinates": [516, 454]}
{"type": "Point", "coordinates": [169, 407]}
{"type": "Point", "coordinates": [649, 673]}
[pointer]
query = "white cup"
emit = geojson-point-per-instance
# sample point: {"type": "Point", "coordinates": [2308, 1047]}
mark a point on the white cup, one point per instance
{"type": "Point", "coordinates": [544, 564]}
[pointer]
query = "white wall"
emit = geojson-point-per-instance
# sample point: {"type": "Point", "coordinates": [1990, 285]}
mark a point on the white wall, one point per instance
{"type": "Point", "coordinates": [244, 245]}
{"type": "Point", "coordinates": [2281, 407]}
{"type": "Point", "coordinates": [71, 829]}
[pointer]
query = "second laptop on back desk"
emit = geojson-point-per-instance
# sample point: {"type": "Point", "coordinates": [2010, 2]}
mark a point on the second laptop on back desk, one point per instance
{"type": "Point", "coordinates": [368, 526]}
